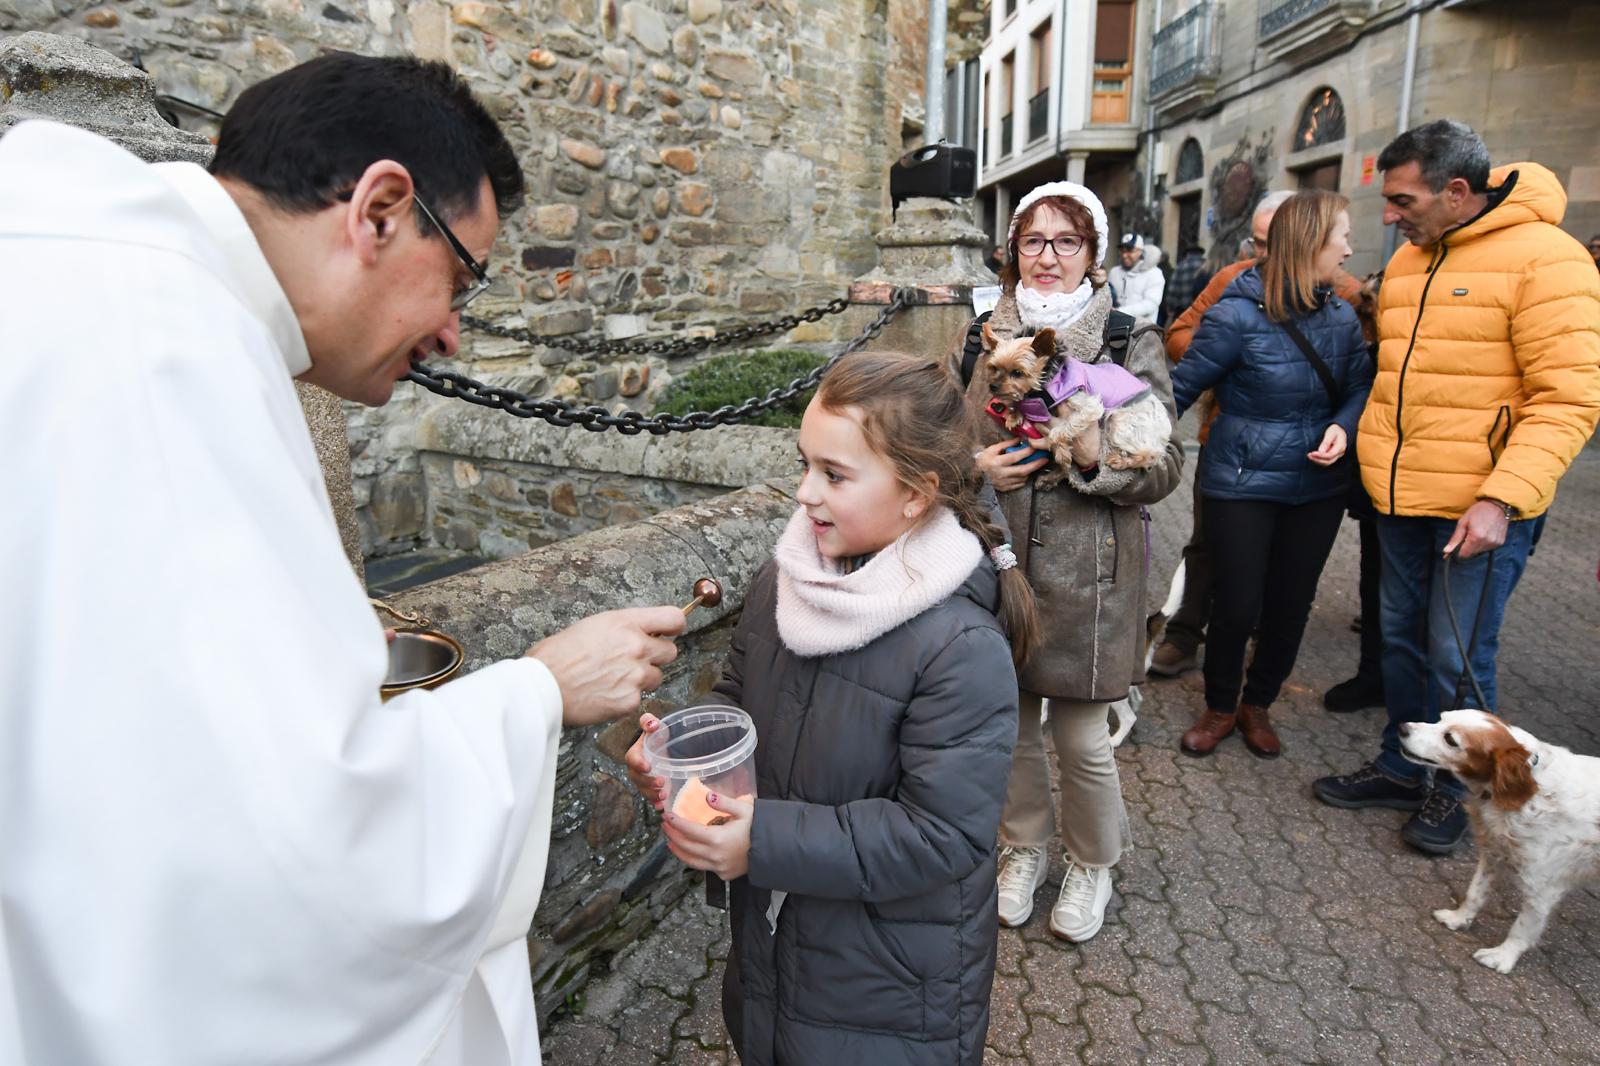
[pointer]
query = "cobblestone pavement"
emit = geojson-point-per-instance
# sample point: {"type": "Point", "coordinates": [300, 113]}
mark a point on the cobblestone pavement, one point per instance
{"type": "Point", "coordinates": [1250, 923]}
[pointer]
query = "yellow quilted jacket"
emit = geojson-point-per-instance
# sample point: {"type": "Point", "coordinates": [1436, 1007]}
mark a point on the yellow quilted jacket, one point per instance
{"type": "Point", "coordinates": [1488, 361]}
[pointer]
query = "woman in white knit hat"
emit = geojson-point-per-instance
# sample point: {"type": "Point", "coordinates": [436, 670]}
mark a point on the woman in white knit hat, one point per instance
{"type": "Point", "coordinates": [1083, 547]}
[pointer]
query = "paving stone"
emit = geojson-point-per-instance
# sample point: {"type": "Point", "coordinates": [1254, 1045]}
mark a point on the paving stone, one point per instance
{"type": "Point", "coordinates": [1250, 923]}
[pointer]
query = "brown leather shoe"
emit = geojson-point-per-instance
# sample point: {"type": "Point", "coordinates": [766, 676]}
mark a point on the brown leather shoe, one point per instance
{"type": "Point", "coordinates": [1255, 726]}
{"type": "Point", "coordinates": [1204, 736]}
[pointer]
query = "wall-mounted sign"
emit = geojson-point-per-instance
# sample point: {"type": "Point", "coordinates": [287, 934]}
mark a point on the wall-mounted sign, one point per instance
{"type": "Point", "coordinates": [1369, 166]}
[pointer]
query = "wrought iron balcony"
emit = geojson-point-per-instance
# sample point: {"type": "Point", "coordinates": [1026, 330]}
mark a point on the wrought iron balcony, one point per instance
{"type": "Point", "coordinates": [1302, 30]}
{"type": "Point", "coordinates": [1186, 57]}
{"type": "Point", "coordinates": [1038, 115]}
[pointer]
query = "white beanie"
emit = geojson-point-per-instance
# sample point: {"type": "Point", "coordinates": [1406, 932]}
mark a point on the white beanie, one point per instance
{"type": "Point", "coordinates": [1072, 191]}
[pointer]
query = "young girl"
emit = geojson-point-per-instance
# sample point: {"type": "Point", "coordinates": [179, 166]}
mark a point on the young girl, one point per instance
{"type": "Point", "coordinates": [883, 691]}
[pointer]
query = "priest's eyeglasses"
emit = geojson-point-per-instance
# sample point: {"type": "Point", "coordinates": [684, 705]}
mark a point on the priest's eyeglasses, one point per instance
{"type": "Point", "coordinates": [480, 274]}
{"type": "Point", "coordinates": [1065, 246]}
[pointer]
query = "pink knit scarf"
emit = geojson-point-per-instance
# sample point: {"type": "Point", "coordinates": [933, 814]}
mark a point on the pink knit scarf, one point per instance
{"type": "Point", "coordinates": [822, 611]}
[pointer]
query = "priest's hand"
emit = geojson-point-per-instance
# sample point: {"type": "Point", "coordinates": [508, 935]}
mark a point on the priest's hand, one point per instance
{"type": "Point", "coordinates": [650, 787]}
{"type": "Point", "coordinates": [604, 662]}
{"type": "Point", "coordinates": [722, 849]}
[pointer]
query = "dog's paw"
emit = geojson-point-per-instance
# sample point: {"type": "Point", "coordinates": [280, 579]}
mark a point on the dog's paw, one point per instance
{"type": "Point", "coordinates": [1045, 482]}
{"type": "Point", "coordinates": [1499, 959]}
{"type": "Point", "coordinates": [1453, 919]}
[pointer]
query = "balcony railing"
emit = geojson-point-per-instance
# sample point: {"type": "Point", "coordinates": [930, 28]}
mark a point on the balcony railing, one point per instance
{"type": "Point", "coordinates": [1304, 30]}
{"type": "Point", "coordinates": [1039, 115]}
{"type": "Point", "coordinates": [1280, 15]}
{"type": "Point", "coordinates": [1005, 136]}
{"type": "Point", "coordinates": [1185, 50]}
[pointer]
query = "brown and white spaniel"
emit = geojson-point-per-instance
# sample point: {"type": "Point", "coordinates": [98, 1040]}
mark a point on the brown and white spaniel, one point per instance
{"type": "Point", "coordinates": [1535, 811]}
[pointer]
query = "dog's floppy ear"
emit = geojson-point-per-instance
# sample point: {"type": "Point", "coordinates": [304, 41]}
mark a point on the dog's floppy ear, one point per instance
{"type": "Point", "coordinates": [1044, 343]}
{"type": "Point", "coordinates": [989, 339]}
{"type": "Point", "coordinates": [1512, 782]}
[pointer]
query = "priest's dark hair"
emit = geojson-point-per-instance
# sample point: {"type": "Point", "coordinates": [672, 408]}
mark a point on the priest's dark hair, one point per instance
{"type": "Point", "coordinates": [303, 137]}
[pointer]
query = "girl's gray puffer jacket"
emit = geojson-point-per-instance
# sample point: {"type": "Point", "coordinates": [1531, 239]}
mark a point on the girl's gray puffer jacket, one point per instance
{"type": "Point", "coordinates": [881, 773]}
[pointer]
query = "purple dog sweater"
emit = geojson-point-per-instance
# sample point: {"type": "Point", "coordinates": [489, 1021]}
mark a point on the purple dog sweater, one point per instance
{"type": "Point", "coordinates": [1112, 384]}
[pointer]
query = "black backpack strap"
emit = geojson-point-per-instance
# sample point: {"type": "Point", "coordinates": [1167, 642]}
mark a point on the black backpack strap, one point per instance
{"type": "Point", "coordinates": [1122, 329]}
{"type": "Point", "coordinates": [972, 348]}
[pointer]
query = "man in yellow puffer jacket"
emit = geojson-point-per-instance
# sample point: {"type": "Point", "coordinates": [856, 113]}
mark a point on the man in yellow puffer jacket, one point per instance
{"type": "Point", "coordinates": [1488, 386]}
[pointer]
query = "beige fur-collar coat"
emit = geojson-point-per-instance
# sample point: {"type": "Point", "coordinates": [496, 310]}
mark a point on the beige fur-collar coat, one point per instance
{"type": "Point", "coordinates": [1082, 543]}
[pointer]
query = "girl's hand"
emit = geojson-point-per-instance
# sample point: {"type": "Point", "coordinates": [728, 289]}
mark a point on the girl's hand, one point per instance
{"type": "Point", "coordinates": [722, 849]}
{"type": "Point", "coordinates": [1332, 447]}
{"type": "Point", "coordinates": [650, 787]}
{"type": "Point", "coordinates": [1010, 471]}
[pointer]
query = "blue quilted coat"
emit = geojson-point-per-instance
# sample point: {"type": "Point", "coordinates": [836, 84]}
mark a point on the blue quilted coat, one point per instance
{"type": "Point", "coordinates": [1274, 408]}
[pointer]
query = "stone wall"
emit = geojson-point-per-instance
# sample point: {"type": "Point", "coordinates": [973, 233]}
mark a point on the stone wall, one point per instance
{"type": "Point", "coordinates": [601, 892]}
{"type": "Point", "coordinates": [688, 161]}
{"type": "Point", "coordinates": [498, 485]}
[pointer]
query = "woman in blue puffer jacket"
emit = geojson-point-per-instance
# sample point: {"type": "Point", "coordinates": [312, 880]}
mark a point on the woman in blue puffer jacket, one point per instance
{"type": "Point", "coordinates": [1273, 472]}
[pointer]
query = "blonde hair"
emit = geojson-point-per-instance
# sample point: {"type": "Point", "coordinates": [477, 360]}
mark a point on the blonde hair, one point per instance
{"type": "Point", "coordinates": [914, 414]}
{"type": "Point", "coordinates": [1300, 229]}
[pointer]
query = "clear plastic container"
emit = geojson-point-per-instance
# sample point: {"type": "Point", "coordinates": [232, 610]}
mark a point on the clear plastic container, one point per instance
{"type": "Point", "coordinates": [700, 750]}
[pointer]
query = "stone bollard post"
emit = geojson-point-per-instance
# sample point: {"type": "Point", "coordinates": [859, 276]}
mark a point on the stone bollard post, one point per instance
{"type": "Point", "coordinates": [62, 79]}
{"type": "Point", "coordinates": [933, 248]}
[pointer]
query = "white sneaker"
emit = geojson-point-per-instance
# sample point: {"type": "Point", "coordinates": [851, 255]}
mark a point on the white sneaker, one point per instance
{"type": "Point", "coordinates": [1022, 871]}
{"type": "Point", "coordinates": [1081, 908]}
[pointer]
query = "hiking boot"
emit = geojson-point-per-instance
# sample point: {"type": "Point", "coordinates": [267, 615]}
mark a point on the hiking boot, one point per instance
{"type": "Point", "coordinates": [1171, 660]}
{"type": "Point", "coordinates": [1080, 910]}
{"type": "Point", "coordinates": [1360, 691]}
{"type": "Point", "coordinates": [1204, 736]}
{"type": "Point", "coordinates": [1022, 871]}
{"type": "Point", "coordinates": [1368, 787]}
{"type": "Point", "coordinates": [1439, 826]}
{"type": "Point", "coordinates": [1255, 728]}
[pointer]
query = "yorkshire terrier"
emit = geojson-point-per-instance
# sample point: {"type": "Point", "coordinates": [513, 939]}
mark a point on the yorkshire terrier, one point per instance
{"type": "Point", "coordinates": [1035, 394]}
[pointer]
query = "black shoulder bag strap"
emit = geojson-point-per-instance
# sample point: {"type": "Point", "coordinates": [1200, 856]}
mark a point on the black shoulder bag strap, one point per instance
{"type": "Point", "coordinates": [1329, 383]}
{"type": "Point", "coordinates": [972, 348]}
{"type": "Point", "coordinates": [1118, 334]}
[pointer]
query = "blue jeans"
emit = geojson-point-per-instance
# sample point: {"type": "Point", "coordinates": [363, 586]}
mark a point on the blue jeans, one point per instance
{"type": "Point", "coordinates": [1421, 660]}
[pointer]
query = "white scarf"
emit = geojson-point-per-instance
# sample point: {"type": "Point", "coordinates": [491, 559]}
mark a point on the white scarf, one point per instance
{"type": "Point", "coordinates": [1053, 310]}
{"type": "Point", "coordinates": [823, 612]}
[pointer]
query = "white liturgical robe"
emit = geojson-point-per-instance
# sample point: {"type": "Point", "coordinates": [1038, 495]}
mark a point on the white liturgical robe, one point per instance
{"type": "Point", "coordinates": [217, 846]}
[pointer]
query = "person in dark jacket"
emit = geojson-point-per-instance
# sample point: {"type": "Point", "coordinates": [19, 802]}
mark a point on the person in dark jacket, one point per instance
{"type": "Point", "coordinates": [884, 695]}
{"type": "Point", "coordinates": [1271, 475]}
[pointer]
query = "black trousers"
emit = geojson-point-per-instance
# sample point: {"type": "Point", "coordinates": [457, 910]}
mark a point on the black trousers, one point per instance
{"type": "Point", "coordinates": [1187, 628]}
{"type": "Point", "coordinates": [1366, 516]}
{"type": "Point", "coordinates": [1266, 559]}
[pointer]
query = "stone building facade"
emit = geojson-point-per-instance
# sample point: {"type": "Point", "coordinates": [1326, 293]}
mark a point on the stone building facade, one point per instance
{"type": "Point", "coordinates": [688, 161]}
{"type": "Point", "coordinates": [1251, 95]}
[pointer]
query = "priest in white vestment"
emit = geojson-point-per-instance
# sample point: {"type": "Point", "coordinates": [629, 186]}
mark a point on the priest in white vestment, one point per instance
{"type": "Point", "coordinates": [217, 846]}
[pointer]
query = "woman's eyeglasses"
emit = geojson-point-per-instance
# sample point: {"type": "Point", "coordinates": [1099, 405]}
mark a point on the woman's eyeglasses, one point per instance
{"type": "Point", "coordinates": [1065, 246]}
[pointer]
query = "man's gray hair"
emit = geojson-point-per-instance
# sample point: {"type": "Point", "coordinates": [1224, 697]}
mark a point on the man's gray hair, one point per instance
{"type": "Point", "coordinates": [1271, 202]}
{"type": "Point", "coordinates": [1443, 150]}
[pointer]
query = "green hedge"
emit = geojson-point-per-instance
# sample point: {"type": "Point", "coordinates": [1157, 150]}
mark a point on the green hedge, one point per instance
{"type": "Point", "coordinates": [737, 376]}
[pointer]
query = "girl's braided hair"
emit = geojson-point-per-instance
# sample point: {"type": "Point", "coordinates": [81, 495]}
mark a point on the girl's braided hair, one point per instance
{"type": "Point", "coordinates": [913, 411]}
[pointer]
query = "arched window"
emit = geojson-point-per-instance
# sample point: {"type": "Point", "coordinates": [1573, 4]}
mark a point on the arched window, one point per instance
{"type": "Point", "coordinates": [1191, 163]}
{"type": "Point", "coordinates": [1321, 121]}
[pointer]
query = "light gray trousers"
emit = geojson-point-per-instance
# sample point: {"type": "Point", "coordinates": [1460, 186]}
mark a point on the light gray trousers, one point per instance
{"type": "Point", "coordinates": [1094, 821]}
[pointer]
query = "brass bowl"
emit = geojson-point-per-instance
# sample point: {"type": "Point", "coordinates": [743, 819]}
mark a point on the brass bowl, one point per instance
{"type": "Point", "coordinates": [420, 658]}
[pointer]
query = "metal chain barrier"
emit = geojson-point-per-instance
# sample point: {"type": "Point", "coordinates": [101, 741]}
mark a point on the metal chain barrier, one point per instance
{"type": "Point", "coordinates": [661, 345]}
{"type": "Point", "coordinates": [597, 419]}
